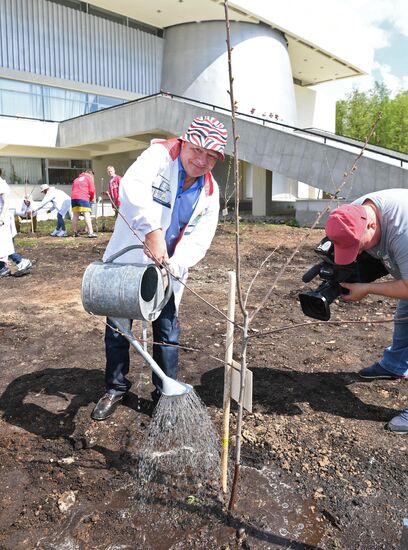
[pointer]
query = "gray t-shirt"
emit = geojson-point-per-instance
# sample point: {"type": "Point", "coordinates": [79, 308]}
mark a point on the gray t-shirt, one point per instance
{"type": "Point", "coordinates": [392, 206]}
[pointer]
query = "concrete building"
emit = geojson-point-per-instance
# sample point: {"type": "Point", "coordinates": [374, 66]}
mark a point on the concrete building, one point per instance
{"type": "Point", "coordinates": [82, 85]}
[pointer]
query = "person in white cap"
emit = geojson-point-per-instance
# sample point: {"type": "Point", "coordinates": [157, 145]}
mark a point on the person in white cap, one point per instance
{"type": "Point", "coordinates": [171, 200]}
{"type": "Point", "coordinates": [7, 232]}
{"type": "Point", "coordinates": [55, 199]}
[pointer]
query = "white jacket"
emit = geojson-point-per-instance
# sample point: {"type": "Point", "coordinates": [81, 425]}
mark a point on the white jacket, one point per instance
{"type": "Point", "coordinates": [147, 195]}
{"type": "Point", "coordinates": [6, 230]}
{"type": "Point", "coordinates": [56, 200]}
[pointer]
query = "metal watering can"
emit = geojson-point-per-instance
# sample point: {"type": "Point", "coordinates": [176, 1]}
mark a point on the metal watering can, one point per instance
{"type": "Point", "coordinates": [129, 291]}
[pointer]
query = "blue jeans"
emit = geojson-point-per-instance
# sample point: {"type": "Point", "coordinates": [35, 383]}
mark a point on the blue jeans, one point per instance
{"type": "Point", "coordinates": [395, 358]}
{"type": "Point", "coordinates": [60, 222]}
{"type": "Point", "coordinates": [16, 258]}
{"type": "Point", "coordinates": [166, 329]}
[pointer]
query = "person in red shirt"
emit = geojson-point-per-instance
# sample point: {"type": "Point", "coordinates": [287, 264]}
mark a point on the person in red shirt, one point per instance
{"type": "Point", "coordinates": [113, 188]}
{"type": "Point", "coordinates": [82, 194]}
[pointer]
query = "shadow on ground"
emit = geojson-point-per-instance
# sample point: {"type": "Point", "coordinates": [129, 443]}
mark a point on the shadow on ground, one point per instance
{"type": "Point", "coordinates": [46, 402]}
{"type": "Point", "coordinates": [280, 392]}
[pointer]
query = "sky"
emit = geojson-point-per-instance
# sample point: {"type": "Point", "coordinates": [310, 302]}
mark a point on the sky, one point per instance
{"type": "Point", "coordinates": [384, 25]}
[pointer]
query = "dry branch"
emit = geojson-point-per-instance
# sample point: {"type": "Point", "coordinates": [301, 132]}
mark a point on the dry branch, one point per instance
{"type": "Point", "coordinates": [347, 175]}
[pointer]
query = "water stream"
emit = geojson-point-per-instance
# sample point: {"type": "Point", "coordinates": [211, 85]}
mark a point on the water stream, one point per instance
{"type": "Point", "coordinates": [174, 495]}
{"type": "Point", "coordinates": [181, 454]}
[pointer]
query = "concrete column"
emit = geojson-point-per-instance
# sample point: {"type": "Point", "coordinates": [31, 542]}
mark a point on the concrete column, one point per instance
{"type": "Point", "coordinates": [249, 181]}
{"type": "Point", "coordinates": [308, 192]}
{"type": "Point", "coordinates": [284, 189]}
{"type": "Point", "coordinates": [262, 191]}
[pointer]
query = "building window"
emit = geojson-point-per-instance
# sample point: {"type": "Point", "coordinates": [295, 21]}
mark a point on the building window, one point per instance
{"type": "Point", "coordinates": [64, 171]}
{"type": "Point", "coordinates": [23, 99]}
{"type": "Point", "coordinates": [23, 171]}
{"type": "Point", "coordinates": [33, 172]}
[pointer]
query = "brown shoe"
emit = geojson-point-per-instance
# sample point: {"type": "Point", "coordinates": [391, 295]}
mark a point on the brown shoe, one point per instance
{"type": "Point", "coordinates": [106, 406]}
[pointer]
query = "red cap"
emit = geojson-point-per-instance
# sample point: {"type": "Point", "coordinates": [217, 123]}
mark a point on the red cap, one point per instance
{"type": "Point", "coordinates": [345, 227]}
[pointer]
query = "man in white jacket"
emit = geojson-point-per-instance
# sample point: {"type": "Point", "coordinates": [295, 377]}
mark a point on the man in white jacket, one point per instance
{"type": "Point", "coordinates": [171, 200]}
{"type": "Point", "coordinates": [55, 199]}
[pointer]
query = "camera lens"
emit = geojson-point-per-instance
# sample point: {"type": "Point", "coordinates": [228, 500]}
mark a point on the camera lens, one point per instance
{"type": "Point", "coordinates": [315, 305]}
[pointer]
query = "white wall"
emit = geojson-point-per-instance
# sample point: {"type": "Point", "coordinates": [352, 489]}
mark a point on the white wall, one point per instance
{"type": "Point", "coordinates": [325, 113]}
{"type": "Point", "coordinates": [315, 109]}
{"type": "Point", "coordinates": [28, 132]}
{"type": "Point", "coordinates": [18, 191]}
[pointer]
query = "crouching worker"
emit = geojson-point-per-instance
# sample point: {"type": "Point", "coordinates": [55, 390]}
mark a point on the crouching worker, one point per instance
{"type": "Point", "coordinates": [7, 232]}
{"type": "Point", "coordinates": [171, 200]}
{"type": "Point", "coordinates": [55, 199]}
{"type": "Point", "coordinates": [22, 210]}
{"type": "Point", "coordinates": [378, 224]}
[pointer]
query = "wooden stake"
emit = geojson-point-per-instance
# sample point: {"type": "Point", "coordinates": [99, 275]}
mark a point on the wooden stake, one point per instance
{"type": "Point", "coordinates": [25, 212]}
{"type": "Point", "coordinates": [229, 345]}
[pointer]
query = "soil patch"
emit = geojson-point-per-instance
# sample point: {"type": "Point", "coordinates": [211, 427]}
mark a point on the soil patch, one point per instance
{"type": "Point", "coordinates": [319, 469]}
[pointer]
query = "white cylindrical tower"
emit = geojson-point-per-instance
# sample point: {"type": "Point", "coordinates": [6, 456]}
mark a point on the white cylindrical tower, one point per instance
{"type": "Point", "coordinates": [195, 66]}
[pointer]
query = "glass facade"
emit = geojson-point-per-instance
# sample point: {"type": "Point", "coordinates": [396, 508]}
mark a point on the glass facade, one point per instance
{"type": "Point", "coordinates": [21, 170]}
{"type": "Point", "coordinates": [23, 99]}
{"type": "Point", "coordinates": [34, 171]}
{"type": "Point", "coordinates": [63, 172]}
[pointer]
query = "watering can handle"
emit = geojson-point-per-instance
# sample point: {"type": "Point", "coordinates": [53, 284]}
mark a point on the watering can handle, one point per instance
{"type": "Point", "coordinates": [169, 288]}
{"type": "Point", "coordinates": [168, 291]}
{"type": "Point", "coordinates": [121, 252]}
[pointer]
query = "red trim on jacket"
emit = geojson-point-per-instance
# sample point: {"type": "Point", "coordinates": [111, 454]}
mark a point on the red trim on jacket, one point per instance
{"type": "Point", "coordinates": [173, 146]}
{"type": "Point", "coordinates": [208, 184]}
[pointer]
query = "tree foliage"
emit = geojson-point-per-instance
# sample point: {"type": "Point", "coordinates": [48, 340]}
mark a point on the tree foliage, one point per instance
{"type": "Point", "coordinates": [356, 114]}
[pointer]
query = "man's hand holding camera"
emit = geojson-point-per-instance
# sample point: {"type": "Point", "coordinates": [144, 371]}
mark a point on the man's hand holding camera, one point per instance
{"type": "Point", "coordinates": [356, 291]}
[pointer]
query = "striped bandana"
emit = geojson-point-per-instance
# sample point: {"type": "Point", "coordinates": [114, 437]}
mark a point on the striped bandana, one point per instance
{"type": "Point", "coordinates": [207, 132]}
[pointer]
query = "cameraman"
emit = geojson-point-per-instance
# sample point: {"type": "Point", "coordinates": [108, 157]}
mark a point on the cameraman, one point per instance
{"type": "Point", "coordinates": [378, 224]}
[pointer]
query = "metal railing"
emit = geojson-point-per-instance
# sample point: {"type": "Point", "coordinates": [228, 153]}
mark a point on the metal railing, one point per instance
{"type": "Point", "coordinates": [312, 132]}
{"type": "Point", "coordinates": [400, 157]}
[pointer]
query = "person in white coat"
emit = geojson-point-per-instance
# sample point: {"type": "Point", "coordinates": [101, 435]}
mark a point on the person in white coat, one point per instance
{"type": "Point", "coordinates": [171, 200]}
{"type": "Point", "coordinates": [55, 199]}
{"type": "Point", "coordinates": [7, 232]}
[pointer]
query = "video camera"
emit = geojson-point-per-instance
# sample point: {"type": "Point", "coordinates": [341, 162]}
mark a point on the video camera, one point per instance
{"type": "Point", "coordinates": [364, 269]}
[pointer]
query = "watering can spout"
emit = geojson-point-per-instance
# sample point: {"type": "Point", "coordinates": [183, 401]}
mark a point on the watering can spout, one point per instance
{"type": "Point", "coordinates": [170, 387]}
